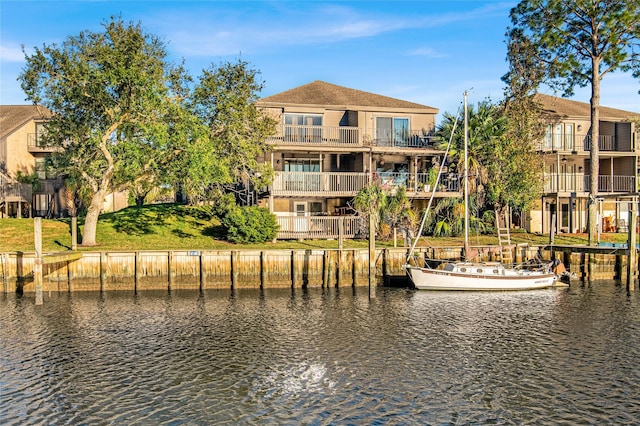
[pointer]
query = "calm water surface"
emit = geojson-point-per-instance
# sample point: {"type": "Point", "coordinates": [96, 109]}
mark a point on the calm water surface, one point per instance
{"type": "Point", "coordinates": [558, 356]}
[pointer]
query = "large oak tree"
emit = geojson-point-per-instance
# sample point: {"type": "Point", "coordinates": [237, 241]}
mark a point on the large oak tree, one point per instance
{"type": "Point", "coordinates": [115, 99]}
{"type": "Point", "coordinates": [569, 43]}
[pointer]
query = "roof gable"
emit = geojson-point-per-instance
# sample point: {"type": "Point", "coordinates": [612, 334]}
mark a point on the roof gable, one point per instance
{"type": "Point", "coordinates": [565, 108]}
{"type": "Point", "coordinates": [12, 117]}
{"type": "Point", "coordinates": [320, 93]}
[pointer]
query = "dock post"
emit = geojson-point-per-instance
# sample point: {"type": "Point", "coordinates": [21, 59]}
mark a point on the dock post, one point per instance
{"type": "Point", "coordinates": [74, 233]}
{"type": "Point", "coordinates": [37, 265]}
{"type": "Point", "coordinates": [263, 265]}
{"type": "Point", "coordinates": [203, 281]}
{"type": "Point", "coordinates": [339, 268]}
{"type": "Point", "coordinates": [103, 269]}
{"type": "Point", "coordinates": [325, 266]}
{"type": "Point", "coordinates": [631, 246]}
{"type": "Point", "coordinates": [372, 257]}
{"type": "Point", "coordinates": [169, 271]}
{"type": "Point", "coordinates": [234, 268]}
{"type": "Point", "coordinates": [136, 272]}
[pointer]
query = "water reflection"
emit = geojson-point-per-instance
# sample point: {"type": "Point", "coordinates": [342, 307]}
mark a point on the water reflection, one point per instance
{"type": "Point", "coordinates": [322, 356]}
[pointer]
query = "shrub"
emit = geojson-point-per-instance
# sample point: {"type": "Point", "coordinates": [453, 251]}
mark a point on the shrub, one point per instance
{"type": "Point", "coordinates": [250, 225]}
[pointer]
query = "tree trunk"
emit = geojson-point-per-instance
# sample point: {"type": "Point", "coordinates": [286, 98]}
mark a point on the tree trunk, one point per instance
{"type": "Point", "coordinates": [91, 220]}
{"type": "Point", "coordinates": [594, 155]}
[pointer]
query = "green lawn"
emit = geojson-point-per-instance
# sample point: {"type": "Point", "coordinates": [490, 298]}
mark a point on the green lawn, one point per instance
{"type": "Point", "coordinates": [165, 227]}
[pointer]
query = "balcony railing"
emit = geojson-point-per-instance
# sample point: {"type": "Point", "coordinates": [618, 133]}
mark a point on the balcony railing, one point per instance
{"type": "Point", "coordinates": [578, 143]}
{"type": "Point", "coordinates": [565, 182]}
{"type": "Point", "coordinates": [347, 184]}
{"type": "Point", "coordinates": [16, 192]}
{"type": "Point", "coordinates": [346, 136]}
{"type": "Point", "coordinates": [319, 227]}
{"type": "Point", "coordinates": [35, 143]}
{"type": "Point", "coordinates": [318, 183]}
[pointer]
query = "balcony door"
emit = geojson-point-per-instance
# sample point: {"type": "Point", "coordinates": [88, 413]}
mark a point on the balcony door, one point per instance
{"type": "Point", "coordinates": [392, 131]}
{"type": "Point", "coordinates": [303, 174]}
{"type": "Point", "coordinates": [305, 128]}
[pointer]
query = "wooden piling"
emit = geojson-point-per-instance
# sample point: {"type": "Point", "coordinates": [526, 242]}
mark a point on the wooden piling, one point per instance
{"type": "Point", "coordinates": [170, 269]}
{"type": "Point", "coordinates": [137, 273]}
{"type": "Point", "coordinates": [103, 269]}
{"type": "Point", "coordinates": [631, 245]}
{"type": "Point", "coordinates": [37, 267]}
{"type": "Point", "coordinates": [325, 269]}
{"type": "Point", "coordinates": [202, 271]}
{"type": "Point", "coordinates": [74, 233]}
{"type": "Point", "coordinates": [372, 258]}
{"type": "Point", "coordinates": [235, 268]}
{"type": "Point", "coordinates": [263, 265]}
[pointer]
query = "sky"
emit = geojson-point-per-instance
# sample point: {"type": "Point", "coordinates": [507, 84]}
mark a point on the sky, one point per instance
{"type": "Point", "coordinates": [428, 51]}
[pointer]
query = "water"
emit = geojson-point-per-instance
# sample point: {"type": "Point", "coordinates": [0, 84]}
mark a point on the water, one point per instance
{"type": "Point", "coordinates": [316, 357]}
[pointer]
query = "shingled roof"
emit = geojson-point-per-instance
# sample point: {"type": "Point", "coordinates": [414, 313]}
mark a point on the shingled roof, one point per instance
{"type": "Point", "coordinates": [320, 93]}
{"type": "Point", "coordinates": [12, 117]}
{"type": "Point", "coordinates": [565, 108]}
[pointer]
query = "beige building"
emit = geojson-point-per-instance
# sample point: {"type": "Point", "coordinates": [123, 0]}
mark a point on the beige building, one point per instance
{"type": "Point", "coordinates": [332, 141]}
{"type": "Point", "coordinates": [23, 153]}
{"type": "Point", "coordinates": [566, 147]}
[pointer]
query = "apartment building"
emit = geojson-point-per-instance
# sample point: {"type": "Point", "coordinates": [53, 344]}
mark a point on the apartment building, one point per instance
{"type": "Point", "coordinates": [332, 141]}
{"type": "Point", "coordinates": [22, 152]}
{"type": "Point", "coordinates": [566, 147]}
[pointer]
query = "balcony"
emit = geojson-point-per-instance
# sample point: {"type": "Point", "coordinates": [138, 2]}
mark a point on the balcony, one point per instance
{"type": "Point", "coordinates": [345, 136]}
{"type": "Point", "coordinates": [565, 182]}
{"type": "Point", "coordinates": [347, 184]}
{"type": "Point", "coordinates": [579, 143]}
{"type": "Point", "coordinates": [319, 184]}
{"type": "Point", "coordinates": [35, 144]}
{"type": "Point", "coordinates": [16, 192]}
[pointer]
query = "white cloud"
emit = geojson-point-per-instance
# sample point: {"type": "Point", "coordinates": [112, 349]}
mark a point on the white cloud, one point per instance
{"type": "Point", "coordinates": [11, 53]}
{"type": "Point", "coordinates": [427, 52]}
{"type": "Point", "coordinates": [252, 31]}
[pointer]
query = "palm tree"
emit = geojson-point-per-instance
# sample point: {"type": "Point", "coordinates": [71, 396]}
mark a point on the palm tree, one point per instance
{"type": "Point", "coordinates": [487, 127]}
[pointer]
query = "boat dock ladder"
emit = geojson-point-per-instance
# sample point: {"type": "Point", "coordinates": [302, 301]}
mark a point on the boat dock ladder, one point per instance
{"type": "Point", "coordinates": [504, 238]}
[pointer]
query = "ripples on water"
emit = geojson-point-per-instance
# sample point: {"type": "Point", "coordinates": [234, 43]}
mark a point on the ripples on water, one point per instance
{"type": "Point", "coordinates": [559, 356]}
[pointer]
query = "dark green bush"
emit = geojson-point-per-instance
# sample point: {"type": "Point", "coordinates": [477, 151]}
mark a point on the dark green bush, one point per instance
{"type": "Point", "coordinates": [250, 225]}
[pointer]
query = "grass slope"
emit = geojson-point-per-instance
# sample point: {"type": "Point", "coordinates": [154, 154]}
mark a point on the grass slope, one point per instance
{"type": "Point", "coordinates": [177, 227]}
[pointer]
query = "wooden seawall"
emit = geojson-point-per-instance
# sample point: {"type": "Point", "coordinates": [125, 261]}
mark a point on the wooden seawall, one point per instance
{"type": "Point", "coordinates": [204, 269]}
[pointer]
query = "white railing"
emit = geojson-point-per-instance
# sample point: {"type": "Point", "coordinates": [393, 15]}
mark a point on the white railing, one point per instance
{"type": "Point", "coordinates": [567, 182]}
{"type": "Point", "coordinates": [349, 183]}
{"type": "Point", "coordinates": [319, 227]}
{"type": "Point", "coordinates": [320, 183]}
{"type": "Point", "coordinates": [577, 143]}
{"type": "Point", "coordinates": [350, 136]}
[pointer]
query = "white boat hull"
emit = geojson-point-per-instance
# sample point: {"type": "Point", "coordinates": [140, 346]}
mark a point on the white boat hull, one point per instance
{"type": "Point", "coordinates": [479, 277]}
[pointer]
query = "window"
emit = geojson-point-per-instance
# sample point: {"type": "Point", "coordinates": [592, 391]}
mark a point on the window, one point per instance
{"type": "Point", "coordinates": [301, 179]}
{"type": "Point", "coordinates": [392, 131]}
{"type": "Point", "coordinates": [41, 167]}
{"type": "Point", "coordinates": [303, 128]}
{"type": "Point", "coordinates": [557, 137]}
{"type": "Point", "coordinates": [40, 132]}
{"type": "Point", "coordinates": [568, 137]}
{"type": "Point", "coordinates": [316, 208]}
{"type": "Point", "coordinates": [302, 165]}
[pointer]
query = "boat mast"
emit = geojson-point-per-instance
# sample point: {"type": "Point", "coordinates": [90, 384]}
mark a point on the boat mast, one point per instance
{"type": "Point", "coordinates": [466, 178]}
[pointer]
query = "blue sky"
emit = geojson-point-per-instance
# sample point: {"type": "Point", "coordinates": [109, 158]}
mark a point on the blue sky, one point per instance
{"type": "Point", "coordinates": [427, 52]}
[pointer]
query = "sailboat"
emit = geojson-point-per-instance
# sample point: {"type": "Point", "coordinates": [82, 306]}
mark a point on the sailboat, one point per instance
{"type": "Point", "coordinates": [474, 276]}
